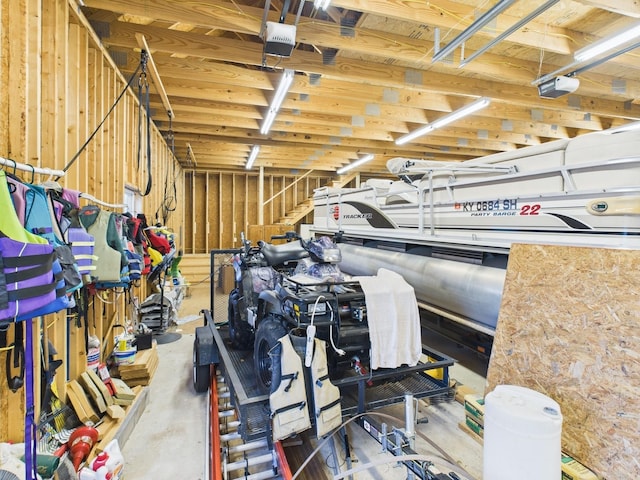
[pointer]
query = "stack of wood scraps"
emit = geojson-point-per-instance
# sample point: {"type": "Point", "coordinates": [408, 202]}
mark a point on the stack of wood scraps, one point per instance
{"type": "Point", "coordinates": [110, 426]}
{"type": "Point", "coordinates": [141, 371]}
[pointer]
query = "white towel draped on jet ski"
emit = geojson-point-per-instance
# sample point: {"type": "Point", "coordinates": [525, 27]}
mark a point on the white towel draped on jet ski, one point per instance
{"type": "Point", "coordinates": [394, 320]}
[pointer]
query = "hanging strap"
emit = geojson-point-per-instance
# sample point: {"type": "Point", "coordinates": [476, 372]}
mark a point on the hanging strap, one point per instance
{"type": "Point", "coordinates": [30, 273]}
{"type": "Point", "coordinates": [124, 90]}
{"type": "Point", "coordinates": [169, 203]}
{"type": "Point", "coordinates": [29, 418]}
{"type": "Point", "coordinates": [17, 355]}
{"type": "Point", "coordinates": [143, 84]}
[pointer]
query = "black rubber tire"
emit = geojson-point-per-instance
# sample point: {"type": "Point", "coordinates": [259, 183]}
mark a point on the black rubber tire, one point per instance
{"type": "Point", "coordinates": [267, 335]}
{"type": "Point", "coordinates": [240, 332]}
{"type": "Point", "coordinates": [201, 373]}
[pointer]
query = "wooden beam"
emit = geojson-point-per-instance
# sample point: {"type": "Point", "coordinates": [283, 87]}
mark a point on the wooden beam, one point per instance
{"type": "Point", "coordinates": [628, 8]}
{"type": "Point", "coordinates": [155, 75]}
{"type": "Point", "coordinates": [191, 155]}
{"type": "Point", "coordinates": [358, 71]}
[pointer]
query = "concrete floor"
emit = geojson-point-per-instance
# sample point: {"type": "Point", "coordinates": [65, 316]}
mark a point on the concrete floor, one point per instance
{"type": "Point", "coordinates": [169, 438]}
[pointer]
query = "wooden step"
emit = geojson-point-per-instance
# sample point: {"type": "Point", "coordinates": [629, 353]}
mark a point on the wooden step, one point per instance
{"type": "Point", "coordinates": [195, 267]}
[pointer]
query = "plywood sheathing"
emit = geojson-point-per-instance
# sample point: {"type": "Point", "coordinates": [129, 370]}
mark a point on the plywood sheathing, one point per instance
{"type": "Point", "coordinates": [568, 328]}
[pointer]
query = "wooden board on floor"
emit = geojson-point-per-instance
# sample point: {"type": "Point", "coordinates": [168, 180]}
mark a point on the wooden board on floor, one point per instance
{"type": "Point", "coordinates": [297, 453]}
{"type": "Point", "coordinates": [568, 328]}
{"type": "Point", "coordinates": [141, 371]}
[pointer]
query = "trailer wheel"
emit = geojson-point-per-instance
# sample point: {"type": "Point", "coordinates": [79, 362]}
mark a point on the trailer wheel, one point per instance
{"type": "Point", "coordinates": [240, 332]}
{"type": "Point", "coordinates": [267, 335]}
{"type": "Point", "coordinates": [201, 373]}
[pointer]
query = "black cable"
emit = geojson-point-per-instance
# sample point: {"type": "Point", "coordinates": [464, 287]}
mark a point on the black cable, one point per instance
{"type": "Point", "coordinates": [75, 157]}
{"type": "Point", "coordinates": [142, 82]}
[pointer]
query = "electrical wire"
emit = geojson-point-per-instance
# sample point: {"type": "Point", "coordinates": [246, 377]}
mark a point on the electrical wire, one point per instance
{"type": "Point", "coordinates": [339, 351]}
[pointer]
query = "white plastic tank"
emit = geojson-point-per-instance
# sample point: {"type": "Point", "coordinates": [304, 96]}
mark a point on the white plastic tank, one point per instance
{"type": "Point", "coordinates": [522, 435]}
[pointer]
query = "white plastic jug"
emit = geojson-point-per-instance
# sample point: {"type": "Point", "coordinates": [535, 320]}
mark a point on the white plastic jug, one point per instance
{"type": "Point", "coordinates": [522, 435]}
{"type": "Point", "coordinates": [110, 460]}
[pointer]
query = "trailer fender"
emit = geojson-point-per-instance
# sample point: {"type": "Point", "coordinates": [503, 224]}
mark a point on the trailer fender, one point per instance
{"type": "Point", "coordinates": [207, 351]}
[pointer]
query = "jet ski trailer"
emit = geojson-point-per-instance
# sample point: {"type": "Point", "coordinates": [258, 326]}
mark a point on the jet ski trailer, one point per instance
{"type": "Point", "coordinates": [448, 227]}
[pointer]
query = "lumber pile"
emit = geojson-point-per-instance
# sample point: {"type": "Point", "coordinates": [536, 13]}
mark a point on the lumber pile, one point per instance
{"type": "Point", "coordinates": [110, 425]}
{"type": "Point", "coordinates": [97, 396]}
{"type": "Point", "coordinates": [142, 369]}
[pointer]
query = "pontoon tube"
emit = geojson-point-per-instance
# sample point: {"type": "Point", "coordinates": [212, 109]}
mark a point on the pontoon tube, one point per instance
{"type": "Point", "coordinates": [471, 291]}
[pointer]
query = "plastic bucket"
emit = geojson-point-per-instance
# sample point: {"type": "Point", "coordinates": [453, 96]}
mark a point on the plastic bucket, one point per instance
{"type": "Point", "coordinates": [522, 435]}
{"type": "Point", "coordinates": [125, 357]}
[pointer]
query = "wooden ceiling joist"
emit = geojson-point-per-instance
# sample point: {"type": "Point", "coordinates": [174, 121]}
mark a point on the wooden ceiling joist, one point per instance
{"type": "Point", "coordinates": [364, 76]}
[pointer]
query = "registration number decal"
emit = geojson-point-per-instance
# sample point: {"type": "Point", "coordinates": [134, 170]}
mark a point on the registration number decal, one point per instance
{"type": "Point", "coordinates": [507, 207]}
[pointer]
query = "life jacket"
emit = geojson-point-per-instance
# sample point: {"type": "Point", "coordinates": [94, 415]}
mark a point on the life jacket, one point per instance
{"type": "Point", "coordinates": [138, 245]}
{"type": "Point", "coordinates": [156, 239]}
{"type": "Point", "coordinates": [29, 286]}
{"type": "Point", "coordinates": [82, 245]}
{"type": "Point", "coordinates": [81, 242]}
{"type": "Point", "coordinates": [40, 218]}
{"type": "Point", "coordinates": [108, 246]}
{"type": "Point", "coordinates": [326, 396]}
{"type": "Point", "coordinates": [135, 262]}
{"type": "Point", "coordinates": [155, 257]}
{"type": "Point", "coordinates": [288, 398]}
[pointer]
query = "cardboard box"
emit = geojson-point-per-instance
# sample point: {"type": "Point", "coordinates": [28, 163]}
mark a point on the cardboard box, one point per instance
{"type": "Point", "coordinates": [474, 407]}
{"type": "Point", "coordinates": [474, 426]}
{"type": "Point", "coordinates": [574, 470]}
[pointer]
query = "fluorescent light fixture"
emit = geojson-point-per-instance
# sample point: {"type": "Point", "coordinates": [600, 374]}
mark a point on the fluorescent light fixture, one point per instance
{"type": "Point", "coordinates": [442, 121]}
{"type": "Point", "coordinates": [473, 28]}
{"type": "Point", "coordinates": [281, 93]}
{"type": "Point", "coordinates": [321, 4]}
{"type": "Point", "coordinates": [513, 28]}
{"type": "Point", "coordinates": [357, 163]}
{"type": "Point", "coordinates": [607, 43]}
{"type": "Point", "coordinates": [252, 157]}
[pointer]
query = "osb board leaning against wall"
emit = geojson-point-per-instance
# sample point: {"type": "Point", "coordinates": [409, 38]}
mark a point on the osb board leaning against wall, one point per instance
{"type": "Point", "coordinates": [569, 328]}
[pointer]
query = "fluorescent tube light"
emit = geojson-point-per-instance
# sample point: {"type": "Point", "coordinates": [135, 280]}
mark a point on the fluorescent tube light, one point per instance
{"type": "Point", "coordinates": [513, 28]}
{"type": "Point", "coordinates": [473, 28]}
{"type": "Point", "coordinates": [252, 157]}
{"type": "Point", "coordinates": [357, 163]}
{"type": "Point", "coordinates": [321, 4]}
{"type": "Point", "coordinates": [442, 121]}
{"type": "Point", "coordinates": [607, 43]}
{"type": "Point", "coordinates": [278, 98]}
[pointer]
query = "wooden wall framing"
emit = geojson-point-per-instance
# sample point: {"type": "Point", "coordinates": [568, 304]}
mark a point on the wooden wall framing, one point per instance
{"type": "Point", "coordinates": [220, 205]}
{"type": "Point", "coordinates": [58, 83]}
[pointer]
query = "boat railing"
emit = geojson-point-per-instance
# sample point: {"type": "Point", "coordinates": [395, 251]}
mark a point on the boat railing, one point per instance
{"type": "Point", "coordinates": [424, 190]}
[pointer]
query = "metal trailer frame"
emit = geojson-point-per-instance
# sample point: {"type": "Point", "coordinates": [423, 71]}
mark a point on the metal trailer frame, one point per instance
{"type": "Point", "coordinates": [252, 407]}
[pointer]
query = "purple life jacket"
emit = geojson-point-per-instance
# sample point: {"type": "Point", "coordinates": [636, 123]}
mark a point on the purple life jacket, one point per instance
{"type": "Point", "coordinates": [30, 273]}
{"type": "Point", "coordinates": [82, 245]}
{"type": "Point", "coordinates": [27, 278]}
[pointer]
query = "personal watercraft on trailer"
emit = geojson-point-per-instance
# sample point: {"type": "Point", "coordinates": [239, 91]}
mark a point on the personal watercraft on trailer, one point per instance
{"type": "Point", "coordinates": [448, 227]}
